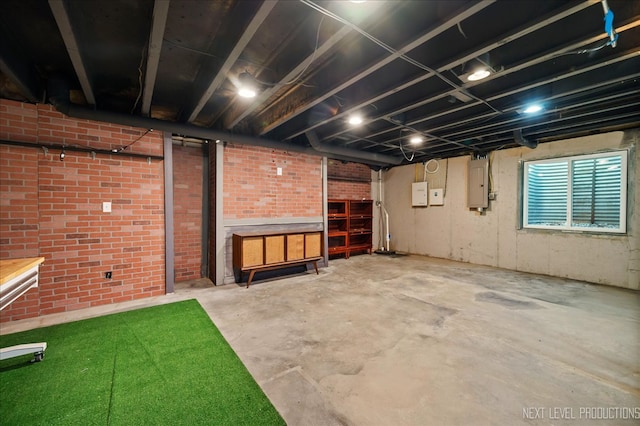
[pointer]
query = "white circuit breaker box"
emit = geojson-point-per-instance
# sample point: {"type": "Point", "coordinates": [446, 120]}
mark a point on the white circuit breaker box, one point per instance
{"type": "Point", "coordinates": [419, 194]}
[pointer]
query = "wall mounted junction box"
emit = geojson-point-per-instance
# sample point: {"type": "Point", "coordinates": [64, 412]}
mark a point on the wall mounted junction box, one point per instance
{"type": "Point", "coordinates": [436, 197]}
{"type": "Point", "coordinates": [419, 194]}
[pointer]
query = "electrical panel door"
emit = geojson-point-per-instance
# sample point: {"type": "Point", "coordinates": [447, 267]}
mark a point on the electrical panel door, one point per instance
{"type": "Point", "coordinates": [478, 185]}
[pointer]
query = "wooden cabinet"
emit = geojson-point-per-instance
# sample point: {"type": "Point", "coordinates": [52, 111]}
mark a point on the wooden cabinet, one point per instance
{"type": "Point", "coordinates": [255, 251]}
{"type": "Point", "coordinates": [350, 227]}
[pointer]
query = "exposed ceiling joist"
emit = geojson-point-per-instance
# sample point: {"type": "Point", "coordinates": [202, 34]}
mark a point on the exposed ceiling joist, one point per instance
{"type": "Point", "coordinates": [461, 16]}
{"type": "Point", "coordinates": [401, 64]}
{"type": "Point", "coordinates": [477, 131]}
{"type": "Point", "coordinates": [292, 75]}
{"type": "Point", "coordinates": [530, 28]}
{"type": "Point", "coordinates": [623, 57]}
{"type": "Point", "coordinates": [221, 76]}
{"type": "Point", "coordinates": [158, 22]}
{"type": "Point", "coordinates": [59, 11]}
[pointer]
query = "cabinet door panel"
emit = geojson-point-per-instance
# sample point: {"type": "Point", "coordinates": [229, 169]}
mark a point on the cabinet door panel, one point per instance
{"type": "Point", "coordinates": [252, 251]}
{"type": "Point", "coordinates": [295, 246]}
{"type": "Point", "coordinates": [313, 244]}
{"type": "Point", "coordinates": [274, 249]}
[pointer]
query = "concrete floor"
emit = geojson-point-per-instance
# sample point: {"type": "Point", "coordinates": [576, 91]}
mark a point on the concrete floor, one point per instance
{"type": "Point", "coordinates": [408, 340]}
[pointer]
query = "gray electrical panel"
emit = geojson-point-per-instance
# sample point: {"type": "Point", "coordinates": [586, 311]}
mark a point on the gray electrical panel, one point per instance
{"type": "Point", "coordinates": [478, 184]}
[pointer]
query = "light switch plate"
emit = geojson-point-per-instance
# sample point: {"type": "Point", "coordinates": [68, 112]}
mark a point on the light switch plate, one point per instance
{"type": "Point", "coordinates": [106, 207]}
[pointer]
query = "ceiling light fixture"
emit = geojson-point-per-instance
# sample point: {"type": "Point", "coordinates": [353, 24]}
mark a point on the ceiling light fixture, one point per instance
{"type": "Point", "coordinates": [247, 87]}
{"type": "Point", "coordinates": [479, 74]}
{"type": "Point", "coordinates": [355, 120]}
{"type": "Point", "coordinates": [246, 92]}
{"type": "Point", "coordinates": [533, 108]}
{"type": "Point", "coordinates": [415, 139]}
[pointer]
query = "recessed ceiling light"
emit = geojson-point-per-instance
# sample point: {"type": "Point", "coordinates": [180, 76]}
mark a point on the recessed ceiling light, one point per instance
{"type": "Point", "coordinates": [415, 140]}
{"type": "Point", "coordinates": [355, 120]}
{"type": "Point", "coordinates": [478, 75]}
{"type": "Point", "coordinates": [533, 108]}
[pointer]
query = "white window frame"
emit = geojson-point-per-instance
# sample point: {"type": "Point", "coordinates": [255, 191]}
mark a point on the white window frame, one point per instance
{"type": "Point", "coordinates": [622, 229]}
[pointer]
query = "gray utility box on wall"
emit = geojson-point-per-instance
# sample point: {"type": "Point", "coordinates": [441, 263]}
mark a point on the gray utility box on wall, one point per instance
{"type": "Point", "coordinates": [419, 194]}
{"type": "Point", "coordinates": [478, 184]}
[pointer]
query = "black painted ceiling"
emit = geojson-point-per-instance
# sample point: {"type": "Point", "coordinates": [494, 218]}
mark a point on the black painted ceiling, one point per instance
{"type": "Point", "coordinates": [399, 64]}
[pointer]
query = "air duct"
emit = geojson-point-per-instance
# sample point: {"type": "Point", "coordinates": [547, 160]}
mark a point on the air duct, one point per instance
{"type": "Point", "coordinates": [59, 98]}
{"type": "Point", "coordinates": [354, 155]}
{"type": "Point", "coordinates": [520, 140]}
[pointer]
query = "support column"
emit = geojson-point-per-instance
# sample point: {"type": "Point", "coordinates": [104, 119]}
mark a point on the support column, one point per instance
{"type": "Point", "coordinates": [169, 264]}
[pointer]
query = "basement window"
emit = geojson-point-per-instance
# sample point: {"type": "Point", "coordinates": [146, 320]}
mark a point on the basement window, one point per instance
{"type": "Point", "coordinates": [578, 193]}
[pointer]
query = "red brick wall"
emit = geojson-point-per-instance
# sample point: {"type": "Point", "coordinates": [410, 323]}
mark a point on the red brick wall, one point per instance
{"type": "Point", "coordinates": [252, 189]}
{"type": "Point", "coordinates": [18, 202]}
{"type": "Point", "coordinates": [19, 216]}
{"type": "Point", "coordinates": [187, 212]}
{"type": "Point", "coordinates": [341, 182]}
{"type": "Point", "coordinates": [53, 208]}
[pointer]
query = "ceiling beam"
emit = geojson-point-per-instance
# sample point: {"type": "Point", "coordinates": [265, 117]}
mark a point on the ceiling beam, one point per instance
{"type": "Point", "coordinates": [510, 70]}
{"type": "Point", "coordinates": [449, 141]}
{"type": "Point", "coordinates": [231, 107]}
{"type": "Point", "coordinates": [66, 31]}
{"type": "Point", "coordinates": [465, 133]}
{"type": "Point", "coordinates": [461, 16]}
{"type": "Point", "coordinates": [159, 20]}
{"type": "Point", "coordinates": [516, 124]}
{"type": "Point", "coordinates": [514, 35]}
{"type": "Point", "coordinates": [619, 119]}
{"type": "Point", "coordinates": [300, 68]}
{"type": "Point", "coordinates": [585, 116]}
{"type": "Point", "coordinates": [260, 16]}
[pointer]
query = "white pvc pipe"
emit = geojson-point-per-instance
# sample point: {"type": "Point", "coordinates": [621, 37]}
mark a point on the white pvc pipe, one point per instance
{"type": "Point", "coordinates": [387, 237]}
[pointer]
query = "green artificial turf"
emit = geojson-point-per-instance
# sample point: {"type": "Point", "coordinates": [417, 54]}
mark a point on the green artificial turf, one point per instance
{"type": "Point", "coordinates": [167, 365]}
